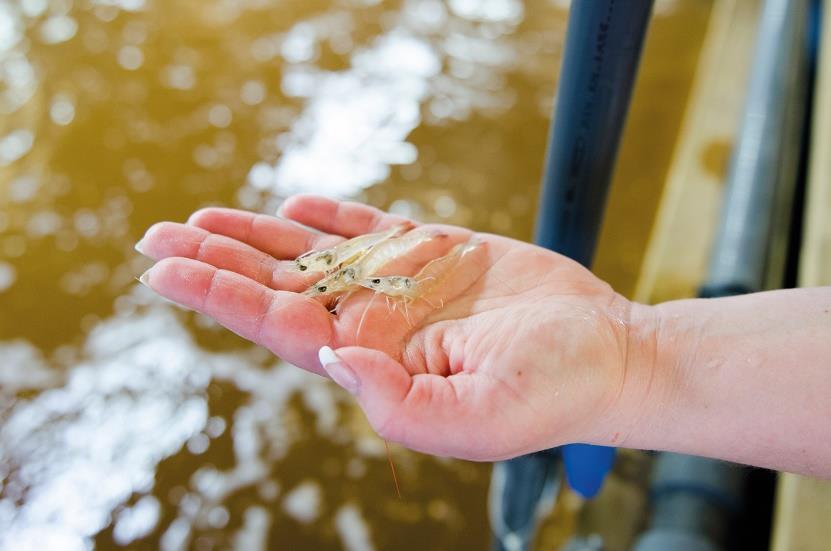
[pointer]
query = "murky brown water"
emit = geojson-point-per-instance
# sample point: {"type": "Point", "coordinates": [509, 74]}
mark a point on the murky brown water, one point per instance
{"type": "Point", "coordinates": [124, 421]}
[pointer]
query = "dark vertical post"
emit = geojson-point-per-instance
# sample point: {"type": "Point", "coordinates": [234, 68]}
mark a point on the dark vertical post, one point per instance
{"type": "Point", "coordinates": [600, 63]}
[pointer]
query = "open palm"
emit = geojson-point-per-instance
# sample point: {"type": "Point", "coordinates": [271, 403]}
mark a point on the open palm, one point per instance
{"type": "Point", "coordinates": [516, 350]}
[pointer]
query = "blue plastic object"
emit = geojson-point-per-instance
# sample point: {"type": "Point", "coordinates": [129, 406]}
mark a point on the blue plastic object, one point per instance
{"type": "Point", "coordinates": [600, 62]}
{"type": "Point", "coordinates": [602, 53]}
{"type": "Point", "coordinates": [587, 467]}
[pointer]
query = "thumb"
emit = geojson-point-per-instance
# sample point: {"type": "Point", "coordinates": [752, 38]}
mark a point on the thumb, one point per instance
{"type": "Point", "coordinates": [379, 383]}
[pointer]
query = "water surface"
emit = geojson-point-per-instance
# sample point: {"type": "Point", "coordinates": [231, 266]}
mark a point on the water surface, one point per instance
{"type": "Point", "coordinates": [125, 421]}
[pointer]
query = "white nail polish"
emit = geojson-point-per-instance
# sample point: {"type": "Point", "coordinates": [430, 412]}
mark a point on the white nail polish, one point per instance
{"type": "Point", "coordinates": [139, 246]}
{"type": "Point", "coordinates": [327, 356]}
{"type": "Point", "coordinates": [145, 278]}
{"type": "Point", "coordinates": [339, 371]}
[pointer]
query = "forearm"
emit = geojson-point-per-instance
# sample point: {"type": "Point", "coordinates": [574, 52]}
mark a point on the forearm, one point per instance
{"type": "Point", "coordinates": [746, 379]}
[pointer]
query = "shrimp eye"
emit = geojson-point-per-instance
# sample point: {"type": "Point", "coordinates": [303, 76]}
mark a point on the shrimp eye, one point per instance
{"type": "Point", "coordinates": [302, 267]}
{"type": "Point", "coordinates": [376, 281]}
{"type": "Point", "coordinates": [322, 288]}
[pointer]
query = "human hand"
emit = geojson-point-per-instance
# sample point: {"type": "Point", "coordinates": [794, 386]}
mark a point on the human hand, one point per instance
{"type": "Point", "coordinates": [530, 350]}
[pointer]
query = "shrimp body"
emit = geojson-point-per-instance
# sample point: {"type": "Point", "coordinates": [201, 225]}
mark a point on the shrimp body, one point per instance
{"type": "Point", "coordinates": [348, 278]}
{"type": "Point", "coordinates": [410, 289]}
{"type": "Point", "coordinates": [343, 253]}
{"type": "Point", "coordinates": [341, 281]}
{"type": "Point", "coordinates": [394, 286]}
{"type": "Point", "coordinates": [385, 252]}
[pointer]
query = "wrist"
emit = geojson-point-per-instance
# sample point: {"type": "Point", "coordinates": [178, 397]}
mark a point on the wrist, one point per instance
{"type": "Point", "coordinates": [636, 412]}
{"type": "Point", "coordinates": [664, 342]}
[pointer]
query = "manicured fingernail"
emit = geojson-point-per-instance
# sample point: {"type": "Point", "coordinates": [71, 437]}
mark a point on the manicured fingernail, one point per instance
{"type": "Point", "coordinates": [338, 370]}
{"type": "Point", "coordinates": [140, 246]}
{"type": "Point", "coordinates": [145, 278]}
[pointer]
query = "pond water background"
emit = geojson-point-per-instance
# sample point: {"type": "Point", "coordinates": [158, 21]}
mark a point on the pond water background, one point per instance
{"type": "Point", "coordinates": [125, 421]}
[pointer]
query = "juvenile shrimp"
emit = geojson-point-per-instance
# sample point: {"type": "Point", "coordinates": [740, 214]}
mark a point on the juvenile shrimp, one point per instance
{"type": "Point", "coordinates": [346, 279]}
{"type": "Point", "coordinates": [411, 288]}
{"type": "Point", "coordinates": [340, 281]}
{"type": "Point", "coordinates": [345, 252]}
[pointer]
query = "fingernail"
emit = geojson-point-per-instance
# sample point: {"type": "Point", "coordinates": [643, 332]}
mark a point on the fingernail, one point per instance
{"type": "Point", "coordinates": [145, 278]}
{"type": "Point", "coordinates": [139, 247]}
{"type": "Point", "coordinates": [338, 370]}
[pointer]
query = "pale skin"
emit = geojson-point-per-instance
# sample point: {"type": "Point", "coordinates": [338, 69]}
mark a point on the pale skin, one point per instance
{"type": "Point", "coordinates": [529, 351]}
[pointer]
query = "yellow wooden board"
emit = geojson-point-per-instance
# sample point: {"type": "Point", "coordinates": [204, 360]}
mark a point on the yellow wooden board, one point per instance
{"type": "Point", "coordinates": [803, 505]}
{"type": "Point", "coordinates": [677, 257]}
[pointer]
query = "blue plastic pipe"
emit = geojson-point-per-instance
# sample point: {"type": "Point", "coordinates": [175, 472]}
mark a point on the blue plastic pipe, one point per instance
{"type": "Point", "coordinates": [600, 62]}
{"type": "Point", "coordinates": [603, 49]}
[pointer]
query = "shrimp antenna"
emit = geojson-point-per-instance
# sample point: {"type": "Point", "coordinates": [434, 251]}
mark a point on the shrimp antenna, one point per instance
{"type": "Point", "coordinates": [407, 314]}
{"type": "Point", "coordinates": [363, 316]}
{"type": "Point", "coordinates": [392, 468]}
{"type": "Point", "coordinates": [432, 305]}
{"type": "Point", "coordinates": [340, 300]}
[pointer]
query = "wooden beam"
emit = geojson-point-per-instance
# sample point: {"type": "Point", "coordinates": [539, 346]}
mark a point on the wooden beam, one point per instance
{"type": "Point", "coordinates": [803, 505]}
{"type": "Point", "coordinates": [678, 253]}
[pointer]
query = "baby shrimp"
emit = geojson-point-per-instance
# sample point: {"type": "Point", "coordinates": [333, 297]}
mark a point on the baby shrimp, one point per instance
{"type": "Point", "coordinates": [411, 288]}
{"type": "Point", "coordinates": [342, 253]}
{"type": "Point", "coordinates": [337, 282]}
{"type": "Point", "coordinates": [346, 279]}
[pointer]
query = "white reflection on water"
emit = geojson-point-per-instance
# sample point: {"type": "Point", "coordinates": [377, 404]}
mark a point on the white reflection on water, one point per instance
{"type": "Point", "coordinates": [127, 5]}
{"type": "Point", "coordinates": [303, 502]}
{"type": "Point", "coordinates": [58, 28]}
{"type": "Point", "coordinates": [352, 529]}
{"type": "Point", "coordinates": [17, 76]}
{"type": "Point", "coordinates": [22, 367]}
{"type": "Point", "coordinates": [254, 531]}
{"type": "Point", "coordinates": [15, 145]}
{"type": "Point", "coordinates": [136, 521]}
{"type": "Point", "coordinates": [355, 122]}
{"type": "Point", "coordinates": [76, 452]}
{"type": "Point", "coordinates": [507, 11]}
